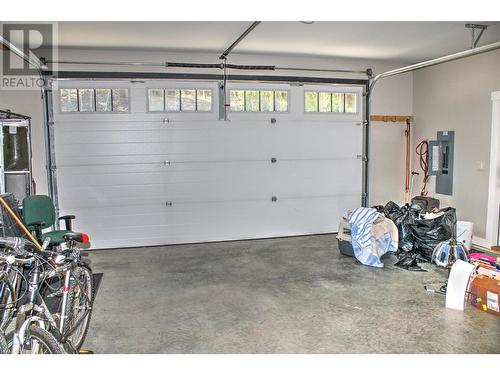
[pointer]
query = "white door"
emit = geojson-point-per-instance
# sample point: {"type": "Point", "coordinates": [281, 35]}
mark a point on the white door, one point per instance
{"type": "Point", "coordinates": [141, 178]}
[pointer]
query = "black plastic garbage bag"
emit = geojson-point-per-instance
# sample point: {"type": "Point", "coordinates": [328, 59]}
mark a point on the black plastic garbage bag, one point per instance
{"type": "Point", "coordinates": [402, 217]}
{"type": "Point", "coordinates": [427, 234]}
{"type": "Point", "coordinates": [409, 262]}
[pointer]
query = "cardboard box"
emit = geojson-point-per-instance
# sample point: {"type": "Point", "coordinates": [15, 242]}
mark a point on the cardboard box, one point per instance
{"type": "Point", "coordinates": [485, 294]}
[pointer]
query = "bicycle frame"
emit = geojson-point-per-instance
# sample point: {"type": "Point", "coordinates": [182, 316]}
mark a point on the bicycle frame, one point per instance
{"type": "Point", "coordinates": [35, 311]}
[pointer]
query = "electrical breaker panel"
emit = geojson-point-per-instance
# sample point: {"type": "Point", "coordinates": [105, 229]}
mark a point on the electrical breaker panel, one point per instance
{"type": "Point", "coordinates": [441, 161]}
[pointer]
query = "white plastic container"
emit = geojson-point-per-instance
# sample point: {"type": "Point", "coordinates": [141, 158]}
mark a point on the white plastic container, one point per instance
{"type": "Point", "coordinates": [464, 233]}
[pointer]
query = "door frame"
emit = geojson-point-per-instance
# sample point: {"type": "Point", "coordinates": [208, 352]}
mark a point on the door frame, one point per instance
{"type": "Point", "coordinates": [492, 219]}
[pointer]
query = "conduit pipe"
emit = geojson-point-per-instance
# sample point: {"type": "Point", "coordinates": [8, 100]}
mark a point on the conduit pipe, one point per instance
{"type": "Point", "coordinates": [240, 38]}
{"type": "Point", "coordinates": [439, 60]}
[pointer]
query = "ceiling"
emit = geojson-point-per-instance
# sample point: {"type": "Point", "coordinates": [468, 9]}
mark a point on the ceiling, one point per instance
{"type": "Point", "coordinates": [401, 41]}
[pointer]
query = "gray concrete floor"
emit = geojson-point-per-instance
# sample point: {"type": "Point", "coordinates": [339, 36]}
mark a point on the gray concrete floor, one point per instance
{"type": "Point", "coordinates": [290, 295]}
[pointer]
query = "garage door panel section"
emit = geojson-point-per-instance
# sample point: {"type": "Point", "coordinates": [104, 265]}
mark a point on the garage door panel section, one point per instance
{"type": "Point", "coordinates": [186, 182]}
{"type": "Point", "coordinates": [233, 146]}
{"type": "Point", "coordinates": [186, 223]}
{"type": "Point", "coordinates": [157, 183]}
{"type": "Point", "coordinates": [234, 141]}
{"type": "Point", "coordinates": [145, 178]}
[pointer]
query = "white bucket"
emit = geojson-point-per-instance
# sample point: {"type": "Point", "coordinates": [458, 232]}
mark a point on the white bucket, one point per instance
{"type": "Point", "coordinates": [464, 233]}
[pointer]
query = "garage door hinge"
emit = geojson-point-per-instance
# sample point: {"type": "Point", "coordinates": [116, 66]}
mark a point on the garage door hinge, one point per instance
{"type": "Point", "coordinates": [273, 121]}
{"type": "Point", "coordinates": [274, 199]}
{"type": "Point", "coordinates": [364, 195]}
{"type": "Point", "coordinates": [166, 121]}
{"type": "Point", "coordinates": [53, 168]}
{"type": "Point", "coordinates": [274, 160]}
{"type": "Point", "coordinates": [168, 203]}
{"type": "Point", "coordinates": [51, 123]}
{"type": "Point", "coordinates": [361, 157]}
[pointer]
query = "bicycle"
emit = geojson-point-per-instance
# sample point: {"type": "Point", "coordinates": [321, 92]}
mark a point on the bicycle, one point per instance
{"type": "Point", "coordinates": [59, 276]}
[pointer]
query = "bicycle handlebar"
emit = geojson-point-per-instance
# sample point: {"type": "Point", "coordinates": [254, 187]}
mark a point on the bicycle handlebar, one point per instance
{"type": "Point", "coordinates": [23, 247]}
{"type": "Point", "coordinates": [11, 259]}
{"type": "Point", "coordinates": [18, 245]}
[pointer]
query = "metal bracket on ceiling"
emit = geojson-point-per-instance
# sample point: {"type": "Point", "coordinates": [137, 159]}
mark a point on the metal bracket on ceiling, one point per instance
{"type": "Point", "coordinates": [474, 27]}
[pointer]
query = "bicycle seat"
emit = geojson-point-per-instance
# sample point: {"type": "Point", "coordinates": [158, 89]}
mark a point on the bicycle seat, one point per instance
{"type": "Point", "coordinates": [76, 236]}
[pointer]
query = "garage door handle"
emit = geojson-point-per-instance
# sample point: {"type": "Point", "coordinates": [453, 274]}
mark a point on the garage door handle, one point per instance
{"type": "Point", "coordinates": [166, 121]}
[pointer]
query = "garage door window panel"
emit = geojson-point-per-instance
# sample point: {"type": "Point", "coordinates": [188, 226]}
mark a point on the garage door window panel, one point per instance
{"type": "Point", "coordinates": [267, 101]}
{"type": "Point", "coordinates": [350, 103]}
{"type": "Point", "coordinates": [337, 102]}
{"type": "Point", "coordinates": [264, 101]}
{"type": "Point", "coordinates": [103, 100]}
{"type": "Point", "coordinates": [172, 100]}
{"type": "Point", "coordinates": [188, 100]}
{"type": "Point", "coordinates": [120, 100]}
{"type": "Point", "coordinates": [311, 101]}
{"type": "Point", "coordinates": [237, 100]}
{"type": "Point", "coordinates": [99, 100]}
{"type": "Point", "coordinates": [86, 100]}
{"type": "Point", "coordinates": [156, 100]}
{"type": "Point", "coordinates": [325, 102]}
{"type": "Point", "coordinates": [252, 102]}
{"type": "Point", "coordinates": [204, 100]}
{"type": "Point", "coordinates": [281, 101]}
{"type": "Point", "coordinates": [179, 100]}
{"type": "Point", "coordinates": [330, 102]}
{"type": "Point", "coordinates": [68, 100]}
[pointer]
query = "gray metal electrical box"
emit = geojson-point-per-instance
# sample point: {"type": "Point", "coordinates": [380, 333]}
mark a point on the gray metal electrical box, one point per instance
{"type": "Point", "coordinates": [441, 161]}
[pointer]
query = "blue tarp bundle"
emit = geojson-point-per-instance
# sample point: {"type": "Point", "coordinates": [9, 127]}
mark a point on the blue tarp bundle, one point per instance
{"type": "Point", "coordinates": [369, 246]}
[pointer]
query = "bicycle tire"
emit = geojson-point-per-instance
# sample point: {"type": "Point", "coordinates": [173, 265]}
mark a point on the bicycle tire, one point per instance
{"type": "Point", "coordinates": [77, 338]}
{"type": "Point", "coordinates": [44, 337]}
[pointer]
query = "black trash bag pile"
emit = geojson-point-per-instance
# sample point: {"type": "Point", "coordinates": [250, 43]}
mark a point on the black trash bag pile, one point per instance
{"type": "Point", "coordinates": [418, 237]}
{"type": "Point", "coordinates": [429, 233]}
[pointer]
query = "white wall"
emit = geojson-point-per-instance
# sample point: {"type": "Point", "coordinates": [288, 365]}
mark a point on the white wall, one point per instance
{"type": "Point", "coordinates": [457, 96]}
{"type": "Point", "coordinates": [393, 96]}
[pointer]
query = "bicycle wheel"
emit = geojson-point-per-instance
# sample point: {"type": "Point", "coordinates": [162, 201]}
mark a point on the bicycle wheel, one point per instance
{"type": "Point", "coordinates": [37, 341]}
{"type": "Point", "coordinates": [80, 301]}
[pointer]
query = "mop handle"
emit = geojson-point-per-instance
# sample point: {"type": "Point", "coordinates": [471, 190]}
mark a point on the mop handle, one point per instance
{"type": "Point", "coordinates": [20, 223]}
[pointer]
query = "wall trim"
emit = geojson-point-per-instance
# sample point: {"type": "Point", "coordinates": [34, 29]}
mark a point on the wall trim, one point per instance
{"type": "Point", "coordinates": [480, 242]}
{"type": "Point", "coordinates": [493, 190]}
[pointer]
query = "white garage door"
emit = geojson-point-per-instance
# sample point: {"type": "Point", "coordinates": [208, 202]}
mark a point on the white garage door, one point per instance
{"type": "Point", "coordinates": [287, 161]}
